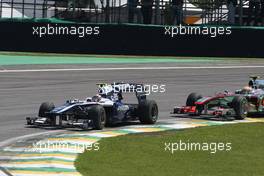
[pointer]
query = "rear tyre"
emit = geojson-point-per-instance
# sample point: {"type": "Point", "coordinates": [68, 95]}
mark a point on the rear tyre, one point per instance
{"type": "Point", "coordinates": [44, 108]}
{"type": "Point", "coordinates": [148, 112]}
{"type": "Point", "coordinates": [240, 106]}
{"type": "Point", "coordinates": [109, 115]}
{"type": "Point", "coordinates": [98, 115]}
{"type": "Point", "coordinates": [192, 98]}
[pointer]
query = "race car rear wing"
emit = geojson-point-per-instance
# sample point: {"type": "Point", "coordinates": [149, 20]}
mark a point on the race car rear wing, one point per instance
{"type": "Point", "coordinates": [129, 87]}
{"type": "Point", "coordinates": [139, 89]}
{"type": "Point", "coordinates": [121, 87]}
{"type": "Point", "coordinates": [256, 83]}
{"type": "Point", "coordinates": [125, 87]}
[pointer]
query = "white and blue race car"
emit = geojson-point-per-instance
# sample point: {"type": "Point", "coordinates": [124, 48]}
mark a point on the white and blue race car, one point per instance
{"type": "Point", "coordinates": [104, 109]}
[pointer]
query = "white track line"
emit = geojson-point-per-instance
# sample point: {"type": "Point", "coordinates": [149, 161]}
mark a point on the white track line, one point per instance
{"type": "Point", "coordinates": [15, 139]}
{"type": "Point", "coordinates": [129, 68]}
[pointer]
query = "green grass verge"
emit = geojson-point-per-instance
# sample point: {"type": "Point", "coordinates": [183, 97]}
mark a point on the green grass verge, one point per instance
{"type": "Point", "coordinates": [25, 58]}
{"type": "Point", "coordinates": [144, 154]}
{"type": "Point", "coordinates": [7, 58]}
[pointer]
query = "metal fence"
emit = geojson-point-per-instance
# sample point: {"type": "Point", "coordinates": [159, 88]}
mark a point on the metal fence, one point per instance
{"type": "Point", "coordinates": [116, 11]}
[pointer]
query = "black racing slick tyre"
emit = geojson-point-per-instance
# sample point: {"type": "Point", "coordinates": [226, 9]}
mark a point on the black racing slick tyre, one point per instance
{"type": "Point", "coordinates": [240, 106]}
{"type": "Point", "coordinates": [44, 108]}
{"type": "Point", "coordinates": [98, 115]}
{"type": "Point", "coordinates": [192, 98]}
{"type": "Point", "coordinates": [109, 114]}
{"type": "Point", "coordinates": [148, 112]}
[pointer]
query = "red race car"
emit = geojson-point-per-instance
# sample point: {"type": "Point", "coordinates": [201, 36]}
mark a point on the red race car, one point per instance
{"type": "Point", "coordinates": [249, 100]}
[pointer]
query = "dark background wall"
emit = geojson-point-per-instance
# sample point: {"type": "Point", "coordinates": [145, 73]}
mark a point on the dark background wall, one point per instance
{"type": "Point", "coordinates": [131, 40]}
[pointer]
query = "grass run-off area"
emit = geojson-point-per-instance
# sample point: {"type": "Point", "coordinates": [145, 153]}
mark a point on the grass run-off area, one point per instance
{"type": "Point", "coordinates": [24, 58]}
{"type": "Point", "coordinates": [144, 154]}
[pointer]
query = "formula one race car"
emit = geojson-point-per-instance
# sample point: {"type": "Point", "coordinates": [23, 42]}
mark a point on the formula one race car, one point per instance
{"type": "Point", "coordinates": [104, 109]}
{"type": "Point", "coordinates": [249, 100]}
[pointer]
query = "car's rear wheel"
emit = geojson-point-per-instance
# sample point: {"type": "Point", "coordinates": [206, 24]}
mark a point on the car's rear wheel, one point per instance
{"type": "Point", "coordinates": [148, 112]}
{"type": "Point", "coordinates": [240, 106]}
{"type": "Point", "coordinates": [192, 98]}
{"type": "Point", "coordinates": [98, 115]}
{"type": "Point", "coordinates": [109, 114]}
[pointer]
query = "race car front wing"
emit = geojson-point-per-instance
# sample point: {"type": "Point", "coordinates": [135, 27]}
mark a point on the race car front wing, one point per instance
{"type": "Point", "coordinates": [192, 110]}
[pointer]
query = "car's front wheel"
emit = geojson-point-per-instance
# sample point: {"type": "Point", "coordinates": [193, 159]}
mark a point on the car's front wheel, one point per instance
{"type": "Point", "coordinates": [192, 98]}
{"type": "Point", "coordinates": [240, 106]}
{"type": "Point", "coordinates": [44, 108]}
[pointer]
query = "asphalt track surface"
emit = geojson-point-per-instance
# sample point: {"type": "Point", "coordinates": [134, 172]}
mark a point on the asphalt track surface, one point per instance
{"type": "Point", "coordinates": [22, 92]}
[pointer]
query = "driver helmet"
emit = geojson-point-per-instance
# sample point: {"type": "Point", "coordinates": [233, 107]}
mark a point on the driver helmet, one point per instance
{"type": "Point", "coordinates": [105, 91]}
{"type": "Point", "coordinates": [96, 98]}
{"type": "Point", "coordinates": [246, 89]}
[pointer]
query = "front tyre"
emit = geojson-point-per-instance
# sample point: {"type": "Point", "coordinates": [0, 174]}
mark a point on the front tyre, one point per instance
{"type": "Point", "coordinates": [98, 115]}
{"type": "Point", "coordinates": [192, 98]}
{"type": "Point", "coordinates": [148, 112]}
{"type": "Point", "coordinates": [45, 108]}
{"type": "Point", "coordinates": [240, 106]}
